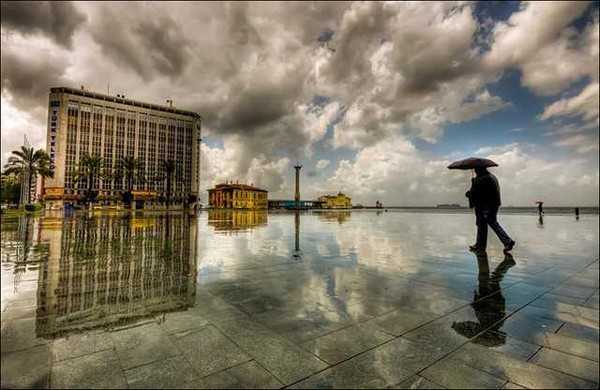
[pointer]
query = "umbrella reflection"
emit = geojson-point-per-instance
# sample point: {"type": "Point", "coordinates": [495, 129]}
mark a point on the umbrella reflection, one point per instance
{"type": "Point", "coordinates": [489, 305]}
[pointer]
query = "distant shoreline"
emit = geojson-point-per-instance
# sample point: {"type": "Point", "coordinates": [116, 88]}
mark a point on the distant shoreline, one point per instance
{"type": "Point", "coordinates": [508, 209]}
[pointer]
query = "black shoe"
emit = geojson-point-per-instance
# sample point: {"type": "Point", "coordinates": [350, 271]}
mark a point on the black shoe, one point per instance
{"type": "Point", "coordinates": [476, 249]}
{"type": "Point", "coordinates": [509, 246]}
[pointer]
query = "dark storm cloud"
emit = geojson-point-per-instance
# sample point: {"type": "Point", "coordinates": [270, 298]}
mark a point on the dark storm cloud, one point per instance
{"type": "Point", "coordinates": [56, 19]}
{"type": "Point", "coordinates": [27, 78]}
{"type": "Point", "coordinates": [257, 106]}
{"type": "Point", "coordinates": [151, 45]}
{"type": "Point", "coordinates": [165, 44]}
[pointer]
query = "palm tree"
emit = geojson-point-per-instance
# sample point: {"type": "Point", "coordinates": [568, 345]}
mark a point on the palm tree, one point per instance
{"type": "Point", "coordinates": [28, 163]}
{"type": "Point", "coordinates": [168, 167]}
{"type": "Point", "coordinates": [90, 168]}
{"type": "Point", "coordinates": [132, 171]}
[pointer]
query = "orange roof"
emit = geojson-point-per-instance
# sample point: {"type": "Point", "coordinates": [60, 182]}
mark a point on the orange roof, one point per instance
{"type": "Point", "coordinates": [224, 186]}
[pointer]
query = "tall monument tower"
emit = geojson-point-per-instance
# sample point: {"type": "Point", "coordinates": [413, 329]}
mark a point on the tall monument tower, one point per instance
{"type": "Point", "coordinates": [297, 196]}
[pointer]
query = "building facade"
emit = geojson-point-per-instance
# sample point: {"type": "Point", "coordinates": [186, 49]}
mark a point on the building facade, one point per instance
{"type": "Point", "coordinates": [339, 201]}
{"type": "Point", "coordinates": [82, 122]}
{"type": "Point", "coordinates": [237, 196]}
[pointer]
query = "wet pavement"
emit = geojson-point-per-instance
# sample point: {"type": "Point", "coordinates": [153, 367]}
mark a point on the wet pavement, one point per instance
{"type": "Point", "coordinates": [322, 299]}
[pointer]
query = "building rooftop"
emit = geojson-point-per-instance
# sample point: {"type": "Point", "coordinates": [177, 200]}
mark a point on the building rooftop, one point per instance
{"type": "Point", "coordinates": [117, 99]}
{"type": "Point", "coordinates": [246, 187]}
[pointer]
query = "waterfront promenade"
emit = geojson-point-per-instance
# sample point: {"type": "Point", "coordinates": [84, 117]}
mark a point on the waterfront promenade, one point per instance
{"type": "Point", "coordinates": [329, 299]}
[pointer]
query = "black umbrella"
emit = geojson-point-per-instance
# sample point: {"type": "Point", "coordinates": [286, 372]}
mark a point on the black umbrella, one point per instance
{"type": "Point", "coordinates": [472, 163]}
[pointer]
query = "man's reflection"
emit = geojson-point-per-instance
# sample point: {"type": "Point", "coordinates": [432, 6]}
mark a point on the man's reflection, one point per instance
{"type": "Point", "coordinates": [489, 304]}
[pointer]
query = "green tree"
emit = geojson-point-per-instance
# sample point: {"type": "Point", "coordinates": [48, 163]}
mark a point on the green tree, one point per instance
{"type": "Point", "coordinates": [11, 189]}
{"type": "Point", "coordinates": [132, 171]}
{"type": "Point", "coordinates": [90, 169]}
{"type": "Point", "coordinates": [27, 163]}
{"type": "Point", "coordinates": [168, 166]}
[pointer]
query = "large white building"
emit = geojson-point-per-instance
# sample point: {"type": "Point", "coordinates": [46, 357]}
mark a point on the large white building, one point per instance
{"type": "Point", "coordinates": [113, 127]}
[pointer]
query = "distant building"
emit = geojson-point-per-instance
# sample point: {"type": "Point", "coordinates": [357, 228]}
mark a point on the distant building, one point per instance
{"type": "Point", "coordinates": [339, 201]}
{"type": "Point", "coordinates": [112, 127]}
{"type": "Point", "coordinates": [237, 196]}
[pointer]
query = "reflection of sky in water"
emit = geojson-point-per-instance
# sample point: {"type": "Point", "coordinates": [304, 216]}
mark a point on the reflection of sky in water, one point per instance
{"type": "Point", "coordinates": [350, 265]}
{"type": "Point", "coordinates": [396, 241]}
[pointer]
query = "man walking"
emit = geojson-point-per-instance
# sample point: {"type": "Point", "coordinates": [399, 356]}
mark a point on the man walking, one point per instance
{"type": "Point", "coordinates": [484, 196]}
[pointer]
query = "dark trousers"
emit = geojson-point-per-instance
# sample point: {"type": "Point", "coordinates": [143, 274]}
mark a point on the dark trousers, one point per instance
{"type": "Point", "coordinates": [485, 217]}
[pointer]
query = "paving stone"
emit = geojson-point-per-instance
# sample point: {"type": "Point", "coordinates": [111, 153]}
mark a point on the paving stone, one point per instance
{"type": "Point", "coordinates": [510, 385]}
{"type": "Point", "coordinates": [522, 373]}
{"type": "Point", "coordinates": [248, 375]}
{"type": "Point", "coordinates": [575, 292]}
{"type": "Point", "coordinates": [399, 322]}
{"type": "Point", "coordinates": [20, 334]}
{"type": "Point", "coordinates": [182, 321]}
{"type": "Point", "coordinates": [581, 332]}
{"type": "Point", "coordinates": [445, 334]}
{"type": "Point", "coordinates": [288, 362]}
{"type": "Point", "coordinates": [572, 365]}
{"type": "Point", "coordinates": [529, 329]}
{"type": "Point", "coordinates": [551, 300]}
{"type": "Point", "coordinates": [417, 382]}
{"type": "Point", "coordinates": [76, 345]}
{"type": "Point", "coordinates": [499, 342]}
{"type": "Point", "coordinates": [209, 351]}
{"type": "Point", "coordinates": [169, 373]}
{"type": "Point", "coordinates": [97, 370]}
{"type": "Point", "coordinates": [383, 366]}
{"type": "Point", "coordinates": [142, 345]}
{"type": "Point", "coordinates": [29, 368]}
{"type": "Point", "coordinates": [342, 344]}
{"type": "Point", "coordinates": [300, 327]}
{"type": "Point", "coordinates": [571, 345]}
{"type": "Point", "coordinates": [453, 373]}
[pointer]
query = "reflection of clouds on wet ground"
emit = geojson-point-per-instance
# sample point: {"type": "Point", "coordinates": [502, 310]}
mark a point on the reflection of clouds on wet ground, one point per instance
{"type": "Point", "coordinates": [386, 295]}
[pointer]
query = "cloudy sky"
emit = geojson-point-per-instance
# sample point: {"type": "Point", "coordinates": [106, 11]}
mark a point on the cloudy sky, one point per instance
{"type": "Point", "coordinates": [373, 99]}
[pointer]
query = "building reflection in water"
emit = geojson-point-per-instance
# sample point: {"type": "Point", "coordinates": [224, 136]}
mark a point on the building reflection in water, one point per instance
{"type": "Point", "coordinates": [104, 271]}
{"type": "Point", "coordinates": [489, 305]}
{"type": "Point", "coordinates": [333, 216]}
{"type": "Point", "coordinates": [230, 221]}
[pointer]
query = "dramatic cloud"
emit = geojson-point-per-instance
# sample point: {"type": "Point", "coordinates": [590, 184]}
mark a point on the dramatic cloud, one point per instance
{"type": "Point", "coordinates": [56, 19]}
{"type": "Point", "coordinates": [585, 106]}
{"type": "Point", "coordinates": [339, 82]}
{"type": "Point", "coordinates": [395, 172]}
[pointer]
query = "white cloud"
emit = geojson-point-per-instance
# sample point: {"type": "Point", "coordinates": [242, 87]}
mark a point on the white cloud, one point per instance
{"type": "Point", "coordinates": [322, 164]}
{"type": "Point", "coordinates": [396, 173]}
{"type": "Point", "coordinates": [585, 105]}
{"type": "Point", "coordinates": [581, 143]}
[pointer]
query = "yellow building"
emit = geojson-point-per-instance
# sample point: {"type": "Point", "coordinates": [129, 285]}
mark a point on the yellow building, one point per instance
{"type": "Point", "coordinates": [339, 201]}
{"type": "Point", "coordinates": [227, 220]}
{"type": "Point", "coordinates": [237, 196]}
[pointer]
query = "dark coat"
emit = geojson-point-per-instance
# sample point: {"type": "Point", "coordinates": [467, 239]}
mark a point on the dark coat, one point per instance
{"type": "Point", "coordinates": [484, 192]}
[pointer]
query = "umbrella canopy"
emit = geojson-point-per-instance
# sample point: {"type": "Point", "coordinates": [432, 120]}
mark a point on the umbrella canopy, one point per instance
{"type": "Point", "coordinates": [472, 163]}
